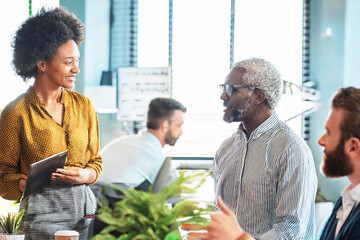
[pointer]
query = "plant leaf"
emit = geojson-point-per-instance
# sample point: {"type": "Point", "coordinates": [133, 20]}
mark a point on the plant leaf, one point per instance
{"type": "Point", "coordinates": [174, 235]}
{"type": "Point", "coordinates": [145, 215]}
{"type": "Point", "coordinates": [10, 223]}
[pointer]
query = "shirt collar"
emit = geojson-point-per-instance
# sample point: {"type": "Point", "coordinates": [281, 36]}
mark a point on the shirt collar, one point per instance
{"type": "Point", "coordinates": [263, 127]}
{"type": "Point", "coordinates": [351, 195]}
{"type": "Point", "coordinates": [154, 138]}
{"type": "Point", "coordinates": [350, 198]}
{"type": "Point", "coordinates": [33, 98]}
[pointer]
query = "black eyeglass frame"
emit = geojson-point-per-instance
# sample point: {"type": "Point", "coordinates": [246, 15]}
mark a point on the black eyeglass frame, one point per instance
{"type": "Point", "coordinates": [230, 88]}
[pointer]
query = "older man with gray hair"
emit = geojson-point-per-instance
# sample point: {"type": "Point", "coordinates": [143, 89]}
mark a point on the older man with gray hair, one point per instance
{"type": "Point", "coordinates": [264, 172]}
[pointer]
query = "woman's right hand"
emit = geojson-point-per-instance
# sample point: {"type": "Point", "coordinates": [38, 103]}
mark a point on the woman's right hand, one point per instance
{"type": "Point", "coordinates": [22, 182]}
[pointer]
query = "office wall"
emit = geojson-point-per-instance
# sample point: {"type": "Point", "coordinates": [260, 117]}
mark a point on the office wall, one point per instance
{"type": "Point", "coordinates": [352, 43]}
{"type": "Point", "coordinates": [78, 8]}
{"type": "Point", "coordinates": [94, 50]}
{"type": "Point", "coordinates": [335, 44]}
{"type": "Point", "coordinates": [335, 39]}
{"type": "Point", "coordinates": [13, 13]}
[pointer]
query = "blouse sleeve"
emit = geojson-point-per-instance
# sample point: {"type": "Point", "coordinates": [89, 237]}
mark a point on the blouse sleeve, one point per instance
{"type": "Point", "coordinates": [10, 138]}
{"type": "Point", "coordinates": [95, 160]}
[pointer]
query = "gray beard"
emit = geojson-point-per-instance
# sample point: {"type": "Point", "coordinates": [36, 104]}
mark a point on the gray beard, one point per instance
{"type": "Point", "coordinates": [234, 116]}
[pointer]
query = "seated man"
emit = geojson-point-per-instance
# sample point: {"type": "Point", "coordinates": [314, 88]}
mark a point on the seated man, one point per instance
{"type": "Point", "coordinates": [136, 159]}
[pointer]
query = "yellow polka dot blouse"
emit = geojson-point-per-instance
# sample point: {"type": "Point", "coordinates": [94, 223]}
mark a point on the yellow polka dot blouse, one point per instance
{"type": "Point", "coordinates": [28, 134]}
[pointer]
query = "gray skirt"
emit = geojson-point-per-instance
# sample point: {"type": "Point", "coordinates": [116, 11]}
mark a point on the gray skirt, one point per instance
{"type": "Point", "coordinates": [57, 207]}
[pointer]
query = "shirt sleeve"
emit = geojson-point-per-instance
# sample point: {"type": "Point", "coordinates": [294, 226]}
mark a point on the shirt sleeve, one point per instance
{"type": "Point", "coordinates": [295, 200]}
{"type": "Point", "coordinates": [9, 155]}
{"type": "Point", "coordinates": [95, 161]}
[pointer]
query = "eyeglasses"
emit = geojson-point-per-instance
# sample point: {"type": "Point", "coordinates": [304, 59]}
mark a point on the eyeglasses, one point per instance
{"type": "Point", "coordinates": [229, 89]}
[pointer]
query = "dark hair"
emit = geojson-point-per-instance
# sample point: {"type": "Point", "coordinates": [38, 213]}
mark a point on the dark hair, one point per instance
{"type": "Point", "coordinates": [162, 109]}
{"type": "Point", "coordinates": [348, 99]}
{"type": "Point", "coordinates": [40, 36]}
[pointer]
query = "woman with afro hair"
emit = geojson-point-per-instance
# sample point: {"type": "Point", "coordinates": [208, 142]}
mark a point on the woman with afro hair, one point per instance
{"type": "Point", "coordinates": [48, 119]}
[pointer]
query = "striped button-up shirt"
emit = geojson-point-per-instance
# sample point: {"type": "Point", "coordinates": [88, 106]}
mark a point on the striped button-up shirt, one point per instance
{"type": "Point", "coordinates": [268, 180]}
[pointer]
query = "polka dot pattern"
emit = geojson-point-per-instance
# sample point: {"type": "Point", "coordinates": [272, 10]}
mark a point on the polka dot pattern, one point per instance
{"type": "Point", "coordinates": [28, 134]}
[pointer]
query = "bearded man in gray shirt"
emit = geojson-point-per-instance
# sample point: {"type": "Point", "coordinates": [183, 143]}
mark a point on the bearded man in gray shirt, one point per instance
{"type": "Point", "coordinates": [264, 172]}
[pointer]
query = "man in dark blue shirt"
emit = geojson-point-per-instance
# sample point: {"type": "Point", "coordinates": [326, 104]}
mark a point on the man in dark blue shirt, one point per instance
{"type": "Point", "coordinates": [341, 143]}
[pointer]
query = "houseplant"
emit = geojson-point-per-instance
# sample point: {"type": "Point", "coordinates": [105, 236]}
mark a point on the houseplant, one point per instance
{"type": "Point", "coordinates": [10, 225]}
{"type": "Point", "coordinates": [146, 215]}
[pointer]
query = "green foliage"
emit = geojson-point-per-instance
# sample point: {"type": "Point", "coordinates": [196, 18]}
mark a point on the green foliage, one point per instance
{"type": "Point", "coordinates": [145, 215]}
{"type": "Point", "coordinates": [10, 223]}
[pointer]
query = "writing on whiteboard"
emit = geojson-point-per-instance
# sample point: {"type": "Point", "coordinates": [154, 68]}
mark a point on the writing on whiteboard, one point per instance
{"type": "Point", "coordinates": [137, 87]}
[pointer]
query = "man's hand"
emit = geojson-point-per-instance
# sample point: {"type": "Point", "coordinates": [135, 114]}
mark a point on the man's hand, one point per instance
{"type": "Point", "coordinates": [223, 226]}
{"type": "Point", "coordinates": [75, 175]}
{"type": "Point", "coordinates": [22, 182]}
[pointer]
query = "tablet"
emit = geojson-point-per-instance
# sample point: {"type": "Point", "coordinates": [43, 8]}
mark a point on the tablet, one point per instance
{"type": "Point", "coordinates": [40, 172]}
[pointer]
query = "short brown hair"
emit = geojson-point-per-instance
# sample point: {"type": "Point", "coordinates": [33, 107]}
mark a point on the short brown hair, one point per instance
{"type": "Point", "coordinates": [348, 99]}
{"type": "Point", "coordinates": [162, 109]}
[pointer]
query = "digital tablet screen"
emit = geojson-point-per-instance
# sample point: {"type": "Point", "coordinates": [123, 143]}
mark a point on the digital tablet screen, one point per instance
{"type": "Point", "coordinates": [40, 172]}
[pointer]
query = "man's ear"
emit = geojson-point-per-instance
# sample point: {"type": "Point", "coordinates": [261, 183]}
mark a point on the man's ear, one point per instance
{"type": "Point", "coordinates": [165, 125]}
{"type": "Point", "coordinates": [352, 147]}
{"type": "Point", "coordinates": [258, 97]}
{"type": "Point", "coordinates": [41, 65]}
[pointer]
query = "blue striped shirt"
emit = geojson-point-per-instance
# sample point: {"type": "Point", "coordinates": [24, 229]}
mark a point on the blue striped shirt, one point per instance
{"type": "Point", "coordinates": [268, 181]}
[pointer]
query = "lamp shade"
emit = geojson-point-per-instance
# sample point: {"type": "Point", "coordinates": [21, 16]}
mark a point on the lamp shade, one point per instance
{"type": "Point", "coordinates": [107, 78]}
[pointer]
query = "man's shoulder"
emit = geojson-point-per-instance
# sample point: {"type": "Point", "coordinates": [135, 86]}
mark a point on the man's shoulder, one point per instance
{"type": "Point", "coordinates": [227, 142]}
{"type": "Point", "coordinates": [121, 146]}
{"type": "Point", "coordinates": [352, 225]}
{"type": "Point", "coordinates": [133, 140]}
{"type": "Point", "coordinates": [351, 228]}
{"type": "Point", "coordinates": [281, 142]}
{"type": "Point", "coordinates": [125, 139]}
{"type": "Point", "coordinates": [283, 133]}
{"type": "Point", "coordinates": [228, 147]}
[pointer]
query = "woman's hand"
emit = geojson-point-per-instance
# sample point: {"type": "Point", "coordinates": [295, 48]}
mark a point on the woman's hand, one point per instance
{"type": "Point", "coordinates": [22, 182]}
{"type": "Point", "coordinates": [75, 175]}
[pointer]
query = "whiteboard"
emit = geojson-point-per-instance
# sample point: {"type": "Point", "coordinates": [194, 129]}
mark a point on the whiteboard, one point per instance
{"type": "Point", "coordinates": [137, 87]}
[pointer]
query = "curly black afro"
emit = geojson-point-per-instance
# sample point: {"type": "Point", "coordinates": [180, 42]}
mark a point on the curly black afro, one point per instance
{"type": "Point", "coordinates": [40, 36]}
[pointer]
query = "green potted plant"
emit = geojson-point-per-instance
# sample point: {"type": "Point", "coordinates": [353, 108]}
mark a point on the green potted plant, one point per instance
{"type": "Point", "coordinates": [146, 215]}
{"type": "Point", "coordinates": [10, 225]}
